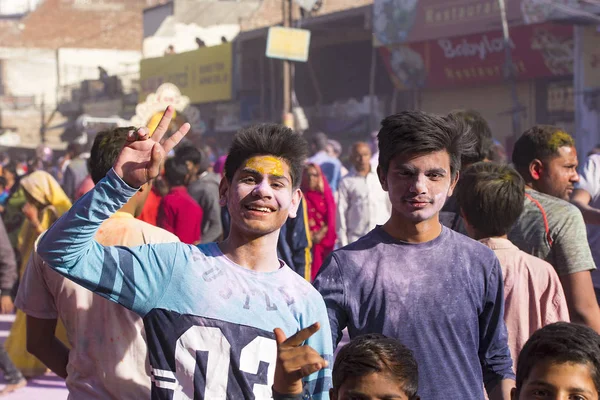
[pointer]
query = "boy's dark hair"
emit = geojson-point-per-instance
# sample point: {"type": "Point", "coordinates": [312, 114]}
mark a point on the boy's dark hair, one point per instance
{"type": "Point", "coordinates": [539, 142]}
{"type": "Point", "coordinates": [559, 343]}
{"type": "Point", "coordinates": [194, 155]}
{"type": "Point", "coordinates": [417, 132]}
{"type": "Point", "coordinates": [371, 353]}
{"type": "Point", "coordinates": [105, 150]}
{"type": "Point", "coordinates": [481, 132]}
{"type": "Point", "coordinates": [268, 139]}
{"type": "Point", "coordinates": [175, 172]}
{"type": "Point", "coordinates": [2, 181]}
{"type": "Point", "coordinates": [491, 196]}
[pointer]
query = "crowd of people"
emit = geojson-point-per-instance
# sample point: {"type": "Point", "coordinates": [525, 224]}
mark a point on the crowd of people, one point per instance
{"type": "Point", "coordinates": [145, 271]}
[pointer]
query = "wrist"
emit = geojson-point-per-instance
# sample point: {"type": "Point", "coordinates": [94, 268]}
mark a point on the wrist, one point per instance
{"type": "Point", "coordinates": [302, 395]}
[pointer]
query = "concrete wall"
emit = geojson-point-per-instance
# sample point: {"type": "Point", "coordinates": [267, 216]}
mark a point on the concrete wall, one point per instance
{"type": "Point", "coordinates": [153, 18]}
{"type": "Point", "coordinates": [33, 72]}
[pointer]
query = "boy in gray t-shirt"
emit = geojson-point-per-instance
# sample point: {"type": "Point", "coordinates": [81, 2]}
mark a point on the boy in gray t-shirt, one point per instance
{"type": "Point", "coordinates": [439, 292]}
{"type": "Point", "coordinates": [550, 227]}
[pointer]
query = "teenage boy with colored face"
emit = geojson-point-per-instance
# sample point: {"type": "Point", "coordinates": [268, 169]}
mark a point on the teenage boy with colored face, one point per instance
{"type": "Point", "coordinates": [209, 311]}
{"type": "Point", "coordinates": [439, 292]}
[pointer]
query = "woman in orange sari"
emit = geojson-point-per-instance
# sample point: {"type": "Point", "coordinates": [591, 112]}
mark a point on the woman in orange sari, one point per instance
{"type": "Point", "coordinates": [45, 203]}
{"type": "Point", "coordinates": [321, 214]}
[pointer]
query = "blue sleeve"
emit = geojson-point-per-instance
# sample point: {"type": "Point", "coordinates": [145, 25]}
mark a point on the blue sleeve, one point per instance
{"type": "Point", "coordinates": [133, 277]}
{"type": "Point", "coordinates": [494, 353]}
{"type": "Point", "coordinates": [329, 282]}
{"type": "Point", "coordinates": [319, 383]}
{"type": "Point", "coordinates": [299, 241]}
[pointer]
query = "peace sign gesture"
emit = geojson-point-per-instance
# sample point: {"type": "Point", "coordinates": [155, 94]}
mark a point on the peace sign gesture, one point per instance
{"type": "Point", "coordinates": [141, 157]}
{"type": "Point", "coordinates": [295, 361]}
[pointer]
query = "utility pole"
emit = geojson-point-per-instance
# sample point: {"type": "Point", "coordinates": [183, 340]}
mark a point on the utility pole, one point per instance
{"type": "Point", "coordinates": [509, 73]}
{"type": "Point", "coordinates": [287, 116]}
{"type": "Point", "coordinates": [43, 121]}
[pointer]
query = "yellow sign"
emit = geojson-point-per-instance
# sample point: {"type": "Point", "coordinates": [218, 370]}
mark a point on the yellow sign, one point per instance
{"type": "Point", "coordinates": [288, 43]}
{"type": "Point", "coordinates": [203, 75]}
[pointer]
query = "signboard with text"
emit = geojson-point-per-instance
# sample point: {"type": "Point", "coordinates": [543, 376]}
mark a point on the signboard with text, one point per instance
{"type": "Point", "coordinates": [203, 75]}
{"type": "Point", "coordinates": [544, 50]}
{"type": "Point", "coordinates": [402, 21]}
{"type": "Point", "coordinates": [405, 21]}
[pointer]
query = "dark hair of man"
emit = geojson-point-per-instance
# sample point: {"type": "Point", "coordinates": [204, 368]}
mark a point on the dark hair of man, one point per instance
{"type": "Point", "coordinates": [372, 353]}
{"type": "Point", "coordinates": [193, 155]}
{"type": "Point", "coordinates": [560, 343]}
{"type": "Point", "coordinates": [11, 167]}
{"type": "Point", "coordinates": [482, 133]}
{"type": "Point", "coordinates": [105, 150]}
{"type": "Point", "coordinates": [540, 142]}
{"type": "Point", "coordinates": [74, 149]}
{"type": "Point", "coordinates": [268, 140]}
{"type": "Point", "coordinates": [491, 196]}
{"type": "Point", "coordinates": [175, 172]}
{"type": "Point", "coordinates": [417, 132]}
{"type": "Point", "coordinates": [358, 145]}
{"type": "Point", "coordinates": [320, 141]}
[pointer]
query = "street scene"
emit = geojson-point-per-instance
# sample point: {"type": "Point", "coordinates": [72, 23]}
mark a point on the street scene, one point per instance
{"type": "Point", "coordinates": [300, 199]}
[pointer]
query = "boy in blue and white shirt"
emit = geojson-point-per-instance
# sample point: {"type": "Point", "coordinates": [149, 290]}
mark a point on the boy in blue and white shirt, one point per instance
{"type": "Point", "coordinates": [209, 311]}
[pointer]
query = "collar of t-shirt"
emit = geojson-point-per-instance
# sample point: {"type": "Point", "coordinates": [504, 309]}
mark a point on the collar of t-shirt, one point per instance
{"type": "Point", "coordinates": [121, 214]}
{"type": "Point", "coordinates": [498, 243]}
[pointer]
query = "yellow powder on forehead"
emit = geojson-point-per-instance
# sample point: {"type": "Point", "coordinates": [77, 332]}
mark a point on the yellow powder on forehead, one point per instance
{"type": "Point", "coordinates": [560, 139]}
{"type": "Point", "coordinates": [266, 165]}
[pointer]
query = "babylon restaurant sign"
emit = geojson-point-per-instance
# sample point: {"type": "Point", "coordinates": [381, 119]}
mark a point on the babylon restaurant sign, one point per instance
{"type": "Point", "coordinates": [538, 51]}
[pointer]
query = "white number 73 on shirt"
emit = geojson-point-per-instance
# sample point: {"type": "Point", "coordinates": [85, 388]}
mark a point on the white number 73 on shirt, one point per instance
{"type": "Point", "coordinates": [212, 341]}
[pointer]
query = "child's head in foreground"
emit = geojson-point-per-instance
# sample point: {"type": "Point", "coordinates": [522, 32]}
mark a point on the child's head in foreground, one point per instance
{"type": "Point", "coordinates": [559, 361]}
{"type": "Point", "coordinates": [374, 367]}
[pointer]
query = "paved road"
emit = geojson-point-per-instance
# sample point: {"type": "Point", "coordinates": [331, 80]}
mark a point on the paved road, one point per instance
{"type": "Point", "coordinates": [47, 387]}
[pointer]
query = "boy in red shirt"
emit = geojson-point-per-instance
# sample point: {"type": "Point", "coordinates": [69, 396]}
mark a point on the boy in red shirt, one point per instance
{"type": "Point", "coordinates": [178, 212]}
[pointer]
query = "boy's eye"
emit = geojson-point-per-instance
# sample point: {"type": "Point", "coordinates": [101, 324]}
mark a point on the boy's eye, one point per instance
{"type": "Point", "coordinates": [540, 393]}
{"type": "Point", "coordinates": [248, 179]}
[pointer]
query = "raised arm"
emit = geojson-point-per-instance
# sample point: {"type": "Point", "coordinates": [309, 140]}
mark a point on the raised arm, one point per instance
{"type": "Point", "coordinates": [133, 277]}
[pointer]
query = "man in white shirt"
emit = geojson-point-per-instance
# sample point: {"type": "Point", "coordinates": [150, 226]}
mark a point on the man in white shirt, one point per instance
{"type": "Point", "coordinates": [109, 356]}
{"type": "Point", "coordinates": [362, 202]}
{"type": "Point", "coordinates": [586, 197]}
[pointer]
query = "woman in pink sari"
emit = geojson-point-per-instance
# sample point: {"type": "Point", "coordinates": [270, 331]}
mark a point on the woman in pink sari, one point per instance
{"type": "Point", "coordinates": [321, 210]}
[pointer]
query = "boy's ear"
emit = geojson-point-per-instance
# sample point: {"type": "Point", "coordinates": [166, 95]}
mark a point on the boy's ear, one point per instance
{"type": "Point", "coordinates": [223, 188]}
{"type": "Point", "coordinates": [296, 198]}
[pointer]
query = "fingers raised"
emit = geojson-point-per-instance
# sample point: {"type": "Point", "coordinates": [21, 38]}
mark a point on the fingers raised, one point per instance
{"type": "Point", "coordinates": [153, 168]}
{"type": "Point", "coordinates": [301, 336]}
{"type": "Point", "coordinates": [175, 138]}
{"type": "Point", "coordinates": [279, 336]}
{"type": "Point", "coordinates": [163, 125]}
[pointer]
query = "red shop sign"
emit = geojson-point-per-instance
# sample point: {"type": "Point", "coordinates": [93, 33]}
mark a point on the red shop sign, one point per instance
{"type": "Point", "coordinates": [543, 50]}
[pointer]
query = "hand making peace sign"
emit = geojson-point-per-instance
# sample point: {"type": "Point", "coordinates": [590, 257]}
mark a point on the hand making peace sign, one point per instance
{"type": "Point", "coordinates": [141, 157]}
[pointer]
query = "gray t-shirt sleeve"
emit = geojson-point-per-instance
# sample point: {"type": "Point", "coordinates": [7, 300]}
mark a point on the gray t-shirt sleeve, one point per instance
{"type": "Point", "coordinates": [570, 250]}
